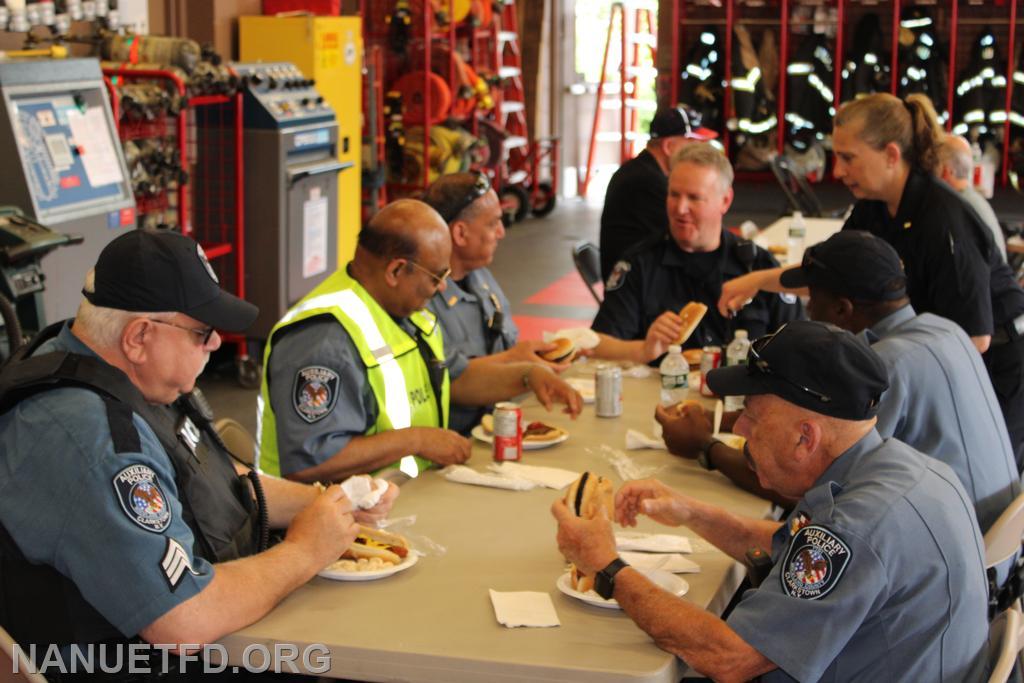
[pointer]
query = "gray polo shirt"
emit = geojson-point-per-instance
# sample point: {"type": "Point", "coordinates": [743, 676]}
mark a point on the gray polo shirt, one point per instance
{"type": "Point", "coordinates": [476, 319]}
{"type": "Point", "coordinates": [321, 342]}
{"type": "Point", "coordinates": [107, 521]}
{"type": "Point", "coordinates": [986, 214]}
{"type": "Point", "coordinates": [941, 402]}
{"type": "Point", "coordinates": [878, 575]}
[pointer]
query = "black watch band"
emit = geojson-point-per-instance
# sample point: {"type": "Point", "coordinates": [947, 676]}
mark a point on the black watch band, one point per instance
{"type": "Point", "coordinates": [704, 459]}
{"type": "Point", "coordinates": [604, 582]}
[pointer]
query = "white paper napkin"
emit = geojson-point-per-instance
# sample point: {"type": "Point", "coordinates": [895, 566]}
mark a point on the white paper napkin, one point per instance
{"type": "Point", "coordinates": [636, 439]}
{"type": "Point", "coordinates": [465, 475]}
{"type": "Point", "coordinates": [584, 385]}
{"type": "Point", "coordinates": [524, 608]}
{"type": "Point", "coordinates": [652, 543]}
{"type": "Point", "coordinates": [638, 372]}
{"type": "Point", "coordinates": [582, 337]}
{"type": "Point", "coordinates": [551, 477]}
{"type": "Point", "coordinates": [364, 491]}
{"type": "Point", "coordinates": [670, 562]}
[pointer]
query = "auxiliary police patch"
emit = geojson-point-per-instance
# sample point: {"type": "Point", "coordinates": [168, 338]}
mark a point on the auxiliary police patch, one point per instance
{"type": "Point", "coordinates": [618, 276]}
{"type": "Point", "coordinates": [315, 392]}
{"type": "Point", "coordinates": [814, 563]}
{"type": "Point", "coordinates": [141, 498]}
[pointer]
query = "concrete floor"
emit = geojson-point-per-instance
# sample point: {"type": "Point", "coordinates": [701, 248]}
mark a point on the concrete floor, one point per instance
{"type": "Point", "coordinates": [536, 253]}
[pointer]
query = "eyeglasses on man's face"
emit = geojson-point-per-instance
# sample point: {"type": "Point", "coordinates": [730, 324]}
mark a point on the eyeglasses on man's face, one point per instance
{"type": "Point", "coordinates": [203, 333]}
{"type": "Point", "coordinates": [757, 363]}
{"type": "Point", "coordinates": [438, 278]}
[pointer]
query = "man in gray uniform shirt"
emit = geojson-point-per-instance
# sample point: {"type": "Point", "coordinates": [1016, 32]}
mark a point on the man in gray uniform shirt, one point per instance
{"type": "Point", "coordinates": [957, 170]}
{"type": "Point", "coordinates": [877, 573]}
{"type": "Point", "coordinates": [475, 314]}
{"type": "Point", "coordinates": [940, 398]}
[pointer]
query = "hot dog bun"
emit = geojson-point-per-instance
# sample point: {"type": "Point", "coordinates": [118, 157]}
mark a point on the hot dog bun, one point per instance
{"type": "Point", "coordinates": [563, 352]}
{"type": "Point", "coordinates": [371, 542]}
{"type": "Point", "coordinates": [487, 422]}
{"type": "Point", "coordinates": [585, 498]}
{"type": "Point", "coordinates": [692, 313]}
{"type": "Point", "coordinates": [693, 357]}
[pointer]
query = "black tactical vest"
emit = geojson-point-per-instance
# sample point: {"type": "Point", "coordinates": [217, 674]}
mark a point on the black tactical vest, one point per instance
{"type": "Point", "coordinates": [38, 605]}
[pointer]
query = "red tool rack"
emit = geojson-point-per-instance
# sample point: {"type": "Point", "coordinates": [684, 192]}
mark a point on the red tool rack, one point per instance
{"type": "Point", "coordinates": [960, 20]}
{"type": "Point", "coordinates": [210, 203]}
{"type": "Point", "coordinates": [525, 171]}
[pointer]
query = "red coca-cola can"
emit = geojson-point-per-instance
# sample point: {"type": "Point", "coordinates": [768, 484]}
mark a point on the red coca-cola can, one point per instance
{"type": "Point", "coordinates": [508, 432]}
{"type": "Point", "coordinates": [710, 358]}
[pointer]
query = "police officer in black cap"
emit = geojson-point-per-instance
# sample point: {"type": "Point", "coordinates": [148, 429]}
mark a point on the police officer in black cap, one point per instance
{"type": "Point", "coordinates": [639, 317]}
{"type": "Point", "coordinates": [876, 574]}
{"type": "Point", "coordinates": [634, 204]}
{"type": "Point", "coordinates": [122, 518]}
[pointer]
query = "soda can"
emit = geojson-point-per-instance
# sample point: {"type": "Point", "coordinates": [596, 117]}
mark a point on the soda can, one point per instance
{"type": "Point", "coordinates": [508, 432]}
{"type": "Point", "coordinates": [609, 391]}
{"type": "Point", "coordinates": [710, 358]}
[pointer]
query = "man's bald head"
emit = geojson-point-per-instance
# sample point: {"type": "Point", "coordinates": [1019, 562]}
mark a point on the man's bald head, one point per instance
{"type": "Point", "coordinates": [956, 162]}
{"type": "Point", "coordinates": [401, 229]}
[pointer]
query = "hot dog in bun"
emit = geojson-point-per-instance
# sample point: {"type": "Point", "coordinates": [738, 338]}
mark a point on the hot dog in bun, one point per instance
{"type": "Point", "coordinates": [691, 314]}
{"type": "Point", "coordinates": [370, 543]}
{"type": "Point", "coordinates": [563, 352]}
{"type": "Point", "coordinates": [585, 498]}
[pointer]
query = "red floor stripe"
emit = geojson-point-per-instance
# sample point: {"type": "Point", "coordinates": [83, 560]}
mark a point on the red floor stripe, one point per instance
{"type": "Point", "coordinates": [533, 327]}
{"type": "Point", "coordinates": [568, 290]}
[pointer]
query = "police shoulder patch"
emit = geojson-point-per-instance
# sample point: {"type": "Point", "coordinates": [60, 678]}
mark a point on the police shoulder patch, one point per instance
{"type": "Point", "coordinates": [618, 276]}
{"type": "Point", "coordinates": [814, 563]}
{"type": "Point", "coordinates": [315, 392]}
{"type": "Point", "coordinates": [142, 499]}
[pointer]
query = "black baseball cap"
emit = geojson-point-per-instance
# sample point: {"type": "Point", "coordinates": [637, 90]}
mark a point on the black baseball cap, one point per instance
{"type": "Point", "coordinates": [854, 264]}
{"type": "Point", "coordinates": [164, 271]}
{"type": "Point", "coordinates": [679, 121]}
{"type": "Point", "coordinates": [814, 365]}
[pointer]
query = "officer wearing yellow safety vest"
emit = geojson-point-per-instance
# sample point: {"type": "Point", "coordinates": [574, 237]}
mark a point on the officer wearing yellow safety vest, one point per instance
{"type": "Point", "coordinates": [355, 375]}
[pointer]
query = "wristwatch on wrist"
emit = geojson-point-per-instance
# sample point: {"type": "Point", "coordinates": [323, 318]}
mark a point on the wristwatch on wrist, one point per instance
{"type": "Point", "coordinates": [704, 459]}
{"type": "Point", "coordinates": [604, 582]}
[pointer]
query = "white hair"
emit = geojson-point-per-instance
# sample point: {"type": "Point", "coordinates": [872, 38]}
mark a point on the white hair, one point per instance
{"type": "Point", "coordinates": [104, 326]}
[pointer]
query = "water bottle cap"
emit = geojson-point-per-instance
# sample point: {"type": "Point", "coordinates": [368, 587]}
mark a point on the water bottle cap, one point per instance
{"type": "Point", "coordinates": [675, 348]}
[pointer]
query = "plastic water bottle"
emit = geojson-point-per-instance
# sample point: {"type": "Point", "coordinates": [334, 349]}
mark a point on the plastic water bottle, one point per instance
{"type": "Point", "coordinates": [736, 354]}
{"type": "Point", "coordinates": [674, 374]}
{"type": "Point", "coordinates": [797, 235]}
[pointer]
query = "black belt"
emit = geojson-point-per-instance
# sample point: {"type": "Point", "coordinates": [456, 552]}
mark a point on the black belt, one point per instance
{"type": "Point", "coordinates": [1008, 332]}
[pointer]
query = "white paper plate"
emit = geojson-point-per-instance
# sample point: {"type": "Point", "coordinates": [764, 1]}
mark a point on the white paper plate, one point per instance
{"type": "Point", "coordinates": [584, 385]}
{"type": "Point", "coordinates": [341, 575]}
{"type": "Point", "coordinates": [480, 435]}
{"type": "Point", "coordinates": [670, 582]}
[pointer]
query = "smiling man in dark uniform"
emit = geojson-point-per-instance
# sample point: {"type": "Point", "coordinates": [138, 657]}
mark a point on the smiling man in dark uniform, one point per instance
{"type": "Point", "coordinates": [639, 317]}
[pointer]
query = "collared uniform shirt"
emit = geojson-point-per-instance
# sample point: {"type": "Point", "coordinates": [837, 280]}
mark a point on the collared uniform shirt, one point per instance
{"type": "Point", "coordinates": [61, 503]}
{"type": "Point", "coordinates": [940, 401]}
{"type": "Point", "coordinates": [878, 575]}
{"type": "Point", "coordinates": [634, 209]}
{"type": "Point", "coordinates": [322, 342]}
{"type": "Point", "coordinates": [662, 277]}
{"type": "Point", "coordinates": [987, 215]}
{"type": "Point", "coordinates": [953, 268]}
{"type": "Point", "coordinates": [476, 320]}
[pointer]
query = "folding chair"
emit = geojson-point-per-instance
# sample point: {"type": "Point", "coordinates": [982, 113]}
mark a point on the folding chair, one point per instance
{"type": "Point", "coordinates": [1003, 541]}
{"type": "Point", "coordinates": [1004, 642]}
{"type": "Point", "coordinates": [9, 653]}
{"type": "Point", "coordinates": [237, 438]}
{"type": "Point", "coordinates": [587, 258]}
{"type": "Point", "coordinates": [794, 185]}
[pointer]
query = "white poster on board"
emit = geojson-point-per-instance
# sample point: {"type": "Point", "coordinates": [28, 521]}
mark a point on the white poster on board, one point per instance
{"type": "Point", "coordinates": [314, 236]}
{"type": "Point", "coordinates": [98, 155]}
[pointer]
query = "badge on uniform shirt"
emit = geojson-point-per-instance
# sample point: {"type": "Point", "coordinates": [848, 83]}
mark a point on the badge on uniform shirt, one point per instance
{"type": "Point", "coordinates": [175, 563]}
{"type": "Point", "coordinates": [787, 298]}
{"type": "Point", "coordinates": [315, 393]}
{"type": "Point", "coordinates": [618, 276]}
{"type": "Point", "coordinates": [142, 499]}
{"type": "Point", "coordinates": [814, 563]}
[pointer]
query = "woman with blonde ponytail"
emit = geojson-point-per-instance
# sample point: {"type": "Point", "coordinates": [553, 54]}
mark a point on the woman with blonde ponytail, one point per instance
{"type": "Point", "coordinates": [887, 153]}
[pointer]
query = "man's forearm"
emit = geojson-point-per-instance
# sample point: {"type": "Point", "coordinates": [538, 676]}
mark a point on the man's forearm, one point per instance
{"type": "Point", "coordinates": [703, 640]}
{"type": "Point", "coordinates": [363, 454]}
{"type": "Point", "coordinates": [284, 498]}
{"type": "Point", "coordinates": [482, 384]}
{"type": "Point", "coordinates": [240, 592]}
{"type": "Point", "coordinates": [733, 535]}
{"type": "Point", "coordinates": [733, 464]}
{"type": "Point", "coordinates": [612, 348]}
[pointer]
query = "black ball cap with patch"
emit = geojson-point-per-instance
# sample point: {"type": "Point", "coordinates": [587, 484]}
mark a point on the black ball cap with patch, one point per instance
{"type": "Point", "coordinates": [814, 365]}
{"type": "Point", "coordinates": [164, 271]}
